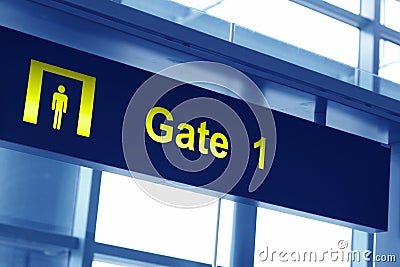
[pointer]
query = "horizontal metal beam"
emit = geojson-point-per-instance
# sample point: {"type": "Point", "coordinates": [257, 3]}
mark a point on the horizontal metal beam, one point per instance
{"type": "Point", "coordinates": [192, 42]}
{"type": "Point", "coordinates": [36, 240]}
{"type": "Point", "coordinates": [113, 253]}
{"type": "Point", "coordinates": [390, 35]}
{"type": "Point", "coordinates": [334, 12]}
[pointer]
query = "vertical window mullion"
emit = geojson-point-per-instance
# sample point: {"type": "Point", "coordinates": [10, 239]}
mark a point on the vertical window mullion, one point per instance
{"type": "Point", "coordinates": [369, 46]}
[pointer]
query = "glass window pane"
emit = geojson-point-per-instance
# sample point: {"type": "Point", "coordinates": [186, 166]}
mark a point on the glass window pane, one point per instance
{"type": "Point", "coordinates": [191, 15]}
{"type": "Point", "coordinates": [306, 28]}
{"type": "Point", "coordinates": [349, 5]}
{"type": "Point", "coordinates": [28, 255]}
{"type": "Point", "coordinates": [129, 218]}
{"type": "Point", "coordinates": [390, 14]}
{"type": "Point", "coordinates": [103, 264]}
{"type": "Point", "coordinates": [203, 5]}
{"type": "Point", "coordinates": [37, 192]}
{"type": "Point", "coordinates": [298, 237]}
{"type": "Point", "coordinates": [293, 54]}
{"type": "Point", "coordinates": [389, 61]}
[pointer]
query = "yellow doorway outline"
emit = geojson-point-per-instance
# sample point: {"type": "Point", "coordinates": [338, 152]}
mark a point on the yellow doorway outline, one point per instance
{"type": "Point", "coordinates": [32, 101]}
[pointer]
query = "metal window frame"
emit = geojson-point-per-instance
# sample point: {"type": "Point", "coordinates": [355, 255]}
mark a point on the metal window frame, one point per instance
{"type": "Point", "coordinates": [115, 254]}
{"type": "Point", "coordinates": [196, 43]}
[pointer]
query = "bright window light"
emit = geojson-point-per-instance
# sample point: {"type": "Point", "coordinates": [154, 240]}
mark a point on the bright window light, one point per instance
{"type": "Point", "coordinates": [389, 63]}
{"type": "Point", "coordinates": [298, 237]}
{"type": "Point", "coordinates": [349, 5]}
{"type": "Point", "coordinates": [294, 24]}
{"type": "Point", "coordinates": [390, 14]}
{"type": "Point", "coordinates": [103, 264]}
{"type": "Point", "coordinates": [129, 218]}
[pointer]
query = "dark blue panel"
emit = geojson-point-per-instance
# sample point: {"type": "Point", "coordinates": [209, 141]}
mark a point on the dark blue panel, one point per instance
{"type": "Point", "coordinates": [316, 169]}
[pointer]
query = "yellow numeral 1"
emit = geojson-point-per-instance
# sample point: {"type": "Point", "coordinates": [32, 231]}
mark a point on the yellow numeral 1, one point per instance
{"type": "Point", "coordinates": [261, 158]}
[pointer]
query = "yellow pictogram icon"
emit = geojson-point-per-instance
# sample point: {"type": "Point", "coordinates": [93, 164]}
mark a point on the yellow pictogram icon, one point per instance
{"type": "Point", "coordinates": [59, 102]}
{"type": "Point", "coordinates": [59, 105]}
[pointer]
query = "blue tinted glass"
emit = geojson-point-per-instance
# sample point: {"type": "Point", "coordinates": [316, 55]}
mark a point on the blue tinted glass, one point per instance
{"type": "Point", "coordinates": [36, 192]}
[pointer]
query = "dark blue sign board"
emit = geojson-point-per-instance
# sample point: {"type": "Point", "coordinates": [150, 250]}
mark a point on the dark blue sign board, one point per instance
{"type": "Point", "coordinates": [317, 170]}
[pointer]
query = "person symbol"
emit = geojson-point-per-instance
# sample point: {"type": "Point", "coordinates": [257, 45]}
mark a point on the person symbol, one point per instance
{"type": "Point", "coordinates": [59, 105]}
